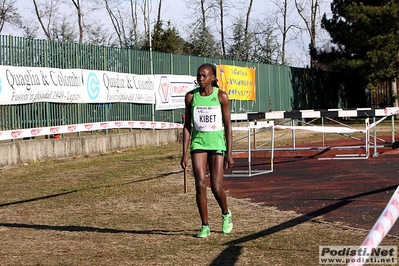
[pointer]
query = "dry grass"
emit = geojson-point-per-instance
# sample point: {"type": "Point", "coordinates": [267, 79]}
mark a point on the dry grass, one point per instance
{"type": "Point", "coordinates": [128, 208]}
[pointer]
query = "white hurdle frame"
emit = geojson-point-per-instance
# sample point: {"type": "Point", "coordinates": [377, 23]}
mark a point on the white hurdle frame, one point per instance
{"type": "Point", "coordinates": [356, 156]}
{"type": "Point", "coordinates": [251, 172]}
{"type": "Point", "coordinates": [319, 129]}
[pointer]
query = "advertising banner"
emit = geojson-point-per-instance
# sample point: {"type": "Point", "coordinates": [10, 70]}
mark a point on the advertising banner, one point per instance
{"type": "Point", "coordinates": [237, 82]}
{"type": "Point", "coordinates": [20, 85]}
{"type": "Point", "coordinates": [171, 90]}
{"type": "Point", "coordinates": [105, 87]}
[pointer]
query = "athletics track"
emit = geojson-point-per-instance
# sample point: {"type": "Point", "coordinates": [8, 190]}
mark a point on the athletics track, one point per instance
{"type": "Point", "coordinates": [352, 192]}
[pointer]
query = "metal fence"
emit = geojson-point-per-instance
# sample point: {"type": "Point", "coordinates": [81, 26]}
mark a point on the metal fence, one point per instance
{"type": "Point", "coordinates": [278, 88]}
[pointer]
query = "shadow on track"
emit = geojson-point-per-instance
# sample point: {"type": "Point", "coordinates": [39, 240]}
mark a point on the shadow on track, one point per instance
{"type": "Point", "coordinates": [231, 254]}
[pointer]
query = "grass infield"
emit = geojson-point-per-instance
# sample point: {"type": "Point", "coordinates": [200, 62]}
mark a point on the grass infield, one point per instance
{"type": "Point", "coordinates": [129, 208]}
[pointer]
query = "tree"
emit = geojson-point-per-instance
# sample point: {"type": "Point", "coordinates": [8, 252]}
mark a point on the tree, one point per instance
{"type": "Point", "coordinates": [63, 31]}
{"type": "Point", "coordinates": [260, 45]}
{"type": "Point", "coordinates": [46, 16]}
{"type": "Point", "coordinates": [9, 14]}
{"type": "Point", "coordinates": [29, 29]}
{"type": "Point", "coordinates": [246, 29]}
{"type": "Point", "coordinates": [237, 50]}
{"type": "Point", "coordinates": [55, 25]}
{"type": "Point", "coordinates": [285, 27]}
{"type": "Point", "coordinates": [365, 36]}
{"type": "Point", "coordinates": [145, 9]}
{"type": "Point", "coordinates": [78, 7]}
{"type": "Point", "coordinates": [134, 37]}
{"type": "Point", "coordinates": [116, 23]}
{"type": "Point", "coordinates": [240, 49]}
{"type": "Point", "coordinates": [264, 47]}
{"type": "Point", "coordinates": [123, 17]}
{"type": "Point", "coordinates": [222, 36]}
{"type": "Point", "coordinates": [157, 36]}
{"type": "Point", "coordinates": [202, 41]}
{"type": "Point", "coordinates": [223, 12]}
{"type": "Point", "coordinates": [97, 35]}
{"type": "Point", "coordinates": [308, 10]}
{"type": "Point", "coordinates": [253, 40]}
{"type": "Point", "coordinates": [169, 41]}
{"type": "Point", "coordinates": [165, 40]}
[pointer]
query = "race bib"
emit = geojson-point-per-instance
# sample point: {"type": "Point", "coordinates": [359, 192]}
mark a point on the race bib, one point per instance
{"type": "Point", "coordinates": [208, 118]}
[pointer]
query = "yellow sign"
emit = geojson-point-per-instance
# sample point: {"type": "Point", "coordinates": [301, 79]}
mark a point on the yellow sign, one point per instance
{"type": "Point", "coordinates": [237, 82]}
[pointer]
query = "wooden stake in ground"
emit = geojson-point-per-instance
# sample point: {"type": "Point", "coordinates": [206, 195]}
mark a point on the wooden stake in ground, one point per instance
{"type": "Point", "coordinates": [185, 180]}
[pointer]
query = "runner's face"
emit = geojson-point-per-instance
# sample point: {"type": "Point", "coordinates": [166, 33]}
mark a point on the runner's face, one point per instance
{"type": "Point", "coordinates": [205, 77]}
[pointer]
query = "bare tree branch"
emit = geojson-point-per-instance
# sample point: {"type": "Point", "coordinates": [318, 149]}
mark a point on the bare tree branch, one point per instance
{"type": "Point", "coordinates": [78, 7]}
{"type": "Point", "coordinates": [285, 26]}
{"type": "Point", "coordinates": [8, 13]}
{"type": "Point", "coordinates": [310, 21]}
{"type": "Point", "coordinates": [246, 34]}
{"type": "Point", "coordinates": [221, 7]}
{"type": "Point", "coordinates": [38, 15]}
{"type": "Point", "coordinates": [115, 22]}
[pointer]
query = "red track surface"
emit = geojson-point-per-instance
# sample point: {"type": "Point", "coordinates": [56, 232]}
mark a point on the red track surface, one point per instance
{"type": "Point", "coordinates": [353, 192]}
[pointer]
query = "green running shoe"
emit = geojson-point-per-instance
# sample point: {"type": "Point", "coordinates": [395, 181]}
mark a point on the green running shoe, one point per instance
{"type": "Point", "coordinates": [205, 231]}
{"type": "Point", "coordinates": [227, 222]}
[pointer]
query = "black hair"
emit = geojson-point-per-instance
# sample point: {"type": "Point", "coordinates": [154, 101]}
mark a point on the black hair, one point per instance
{"type": "Point", "coordinates": [214, 82]}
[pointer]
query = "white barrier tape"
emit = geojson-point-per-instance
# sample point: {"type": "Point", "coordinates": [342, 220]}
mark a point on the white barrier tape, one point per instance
{"type": "Point", "coordinates": [240, 128]}
{"type": "Point", "coordinates": [260, 126]}
{"type": "Point", "coordinates": [43, 131]}
{"type": "Point", "coordinates": [376, 123]}
{"type": "Point", "coordinates": [381, 228]}
{"type": "Point", "coordinates": [255, 125]}
{"type": "Point", "coordinates": [325, 129]}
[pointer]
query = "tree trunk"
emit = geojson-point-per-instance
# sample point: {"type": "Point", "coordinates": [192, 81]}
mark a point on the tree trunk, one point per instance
{"type": "Point", "coordinates": [394, 93]}
{"type": "Point", "coordinates": [115, 22]}
{"type": "Point", "coordinates": [246, 30]}
{"type": "Point", "coordinates": [310, 23]}
{"type": "Point", "coordinates": [39, 18]}
{"type": "Point", "coordinates": [80, 21]}
{"type": "Point", "coordinates": [222, 28]}
{"type": "Point", "coordinates": [134, 17]}
{"type": "Point", "coordinates": [284, 33]}
{"type": "Point", "coordinates": [203, 14]}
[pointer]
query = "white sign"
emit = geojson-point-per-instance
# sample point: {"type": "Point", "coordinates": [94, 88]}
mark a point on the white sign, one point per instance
{"type": "Point", "coordinates": [105, 87]}
{"type": "Point", "coordinates": [19, 85]}
{"type": "Point", "coordinates": [171, 90]}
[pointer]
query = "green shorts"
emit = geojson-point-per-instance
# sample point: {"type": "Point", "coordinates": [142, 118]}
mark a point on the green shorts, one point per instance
{"type": "Point", "coordinates": [210, 152]}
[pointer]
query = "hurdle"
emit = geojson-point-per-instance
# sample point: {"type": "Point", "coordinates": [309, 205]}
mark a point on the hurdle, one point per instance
{"type": "Point", "coordinates": [250, 171]}
{"type": "Point", "coordinates": [297, 115]}
{"type": "Point", "coordinates": [338, 130]}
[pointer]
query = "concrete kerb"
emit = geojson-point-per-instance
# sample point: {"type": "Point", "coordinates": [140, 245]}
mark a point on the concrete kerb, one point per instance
{"type": "Point", "coordinates": [13, 153]}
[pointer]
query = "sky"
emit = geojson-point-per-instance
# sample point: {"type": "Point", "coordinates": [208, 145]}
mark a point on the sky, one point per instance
{"type": "Point", "coordinates": [177, 12]}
